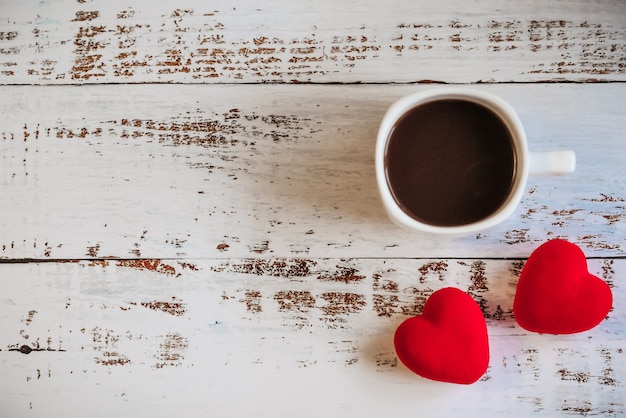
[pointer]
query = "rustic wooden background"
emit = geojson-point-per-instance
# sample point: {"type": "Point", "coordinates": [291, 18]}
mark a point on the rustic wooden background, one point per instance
{"type": "Point", "coordinates": [189, 223]}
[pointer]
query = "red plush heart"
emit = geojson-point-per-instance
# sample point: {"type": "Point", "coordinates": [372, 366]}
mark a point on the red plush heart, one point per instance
{"type": "Point", "coordinates": [448, 342]}
{"type": "Point", "coordinates": [556, 294]}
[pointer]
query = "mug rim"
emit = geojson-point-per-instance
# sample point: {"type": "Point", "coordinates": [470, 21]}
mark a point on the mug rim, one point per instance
{"type": "Point", "coordinates": [495, 104]}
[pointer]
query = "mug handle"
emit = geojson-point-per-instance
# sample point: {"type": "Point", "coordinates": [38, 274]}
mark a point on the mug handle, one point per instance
{"type": "Point", "coordinates": [550, 163]}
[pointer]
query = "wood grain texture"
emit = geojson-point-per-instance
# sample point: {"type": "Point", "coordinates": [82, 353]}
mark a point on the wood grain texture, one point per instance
{"type": "Point", "coordinates": [68, 41]}
{"type": "Point", "coordinates": [108, 171]}
{"type": "Point", "coordinates": [189, 221]}
{"type": "Point", "coordinates": [272, 336]}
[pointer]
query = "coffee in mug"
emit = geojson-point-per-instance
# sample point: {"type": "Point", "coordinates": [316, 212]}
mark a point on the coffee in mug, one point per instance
{"type": "Point", "coordinates": [455, 160]}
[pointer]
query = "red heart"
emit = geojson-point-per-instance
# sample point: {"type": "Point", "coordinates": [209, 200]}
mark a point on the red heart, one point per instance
{"type": "Point", "coordinates": [556, 294]}
{"type": "Point", "coordinates": [448, 342]}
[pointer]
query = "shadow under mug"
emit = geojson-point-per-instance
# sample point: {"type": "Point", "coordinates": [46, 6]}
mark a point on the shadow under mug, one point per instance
{"type": "Point", "coordinates": [525, 163]}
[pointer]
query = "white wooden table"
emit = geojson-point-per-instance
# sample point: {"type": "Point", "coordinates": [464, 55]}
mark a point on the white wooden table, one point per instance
{"type": "Point", "coordinates": [189, 224]}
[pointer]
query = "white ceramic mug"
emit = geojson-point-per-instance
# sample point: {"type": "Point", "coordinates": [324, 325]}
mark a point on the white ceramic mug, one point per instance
{"type": "Point", "coordinates": [525, 163]}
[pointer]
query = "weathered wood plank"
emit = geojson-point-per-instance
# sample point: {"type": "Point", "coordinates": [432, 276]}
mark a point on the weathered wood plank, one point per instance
{"type": "Point", "coordinates": [66, 41]}
{"type": "Point", "coordinates": [273, 170]}
{"type": "Point", "coordinates": [221, 248]}
{"type": "Point", "coordinates": [156, 337]}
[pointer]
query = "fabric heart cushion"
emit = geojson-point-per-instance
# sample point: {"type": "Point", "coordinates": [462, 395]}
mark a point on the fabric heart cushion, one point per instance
{"type": "Point", "coordinates": [556, 294]}
{"type": "Point", "coordinates": [448, 342]}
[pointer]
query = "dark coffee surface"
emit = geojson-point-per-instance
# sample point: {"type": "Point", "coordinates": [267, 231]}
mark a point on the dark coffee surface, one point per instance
{"type": "Point", "coordinates": [450, 162]}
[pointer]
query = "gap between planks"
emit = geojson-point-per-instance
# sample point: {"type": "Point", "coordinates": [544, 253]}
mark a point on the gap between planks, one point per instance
{"type": "Point", "coordinates": [325, 83]}
{"type": "Point", "coordinates": [104, 259]}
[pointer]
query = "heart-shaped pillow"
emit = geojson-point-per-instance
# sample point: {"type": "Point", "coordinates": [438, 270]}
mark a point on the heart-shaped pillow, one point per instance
{"type": "Point", "coordinates": [556, 294]}
{"type": "Point", "coordinates": [448, 342]}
